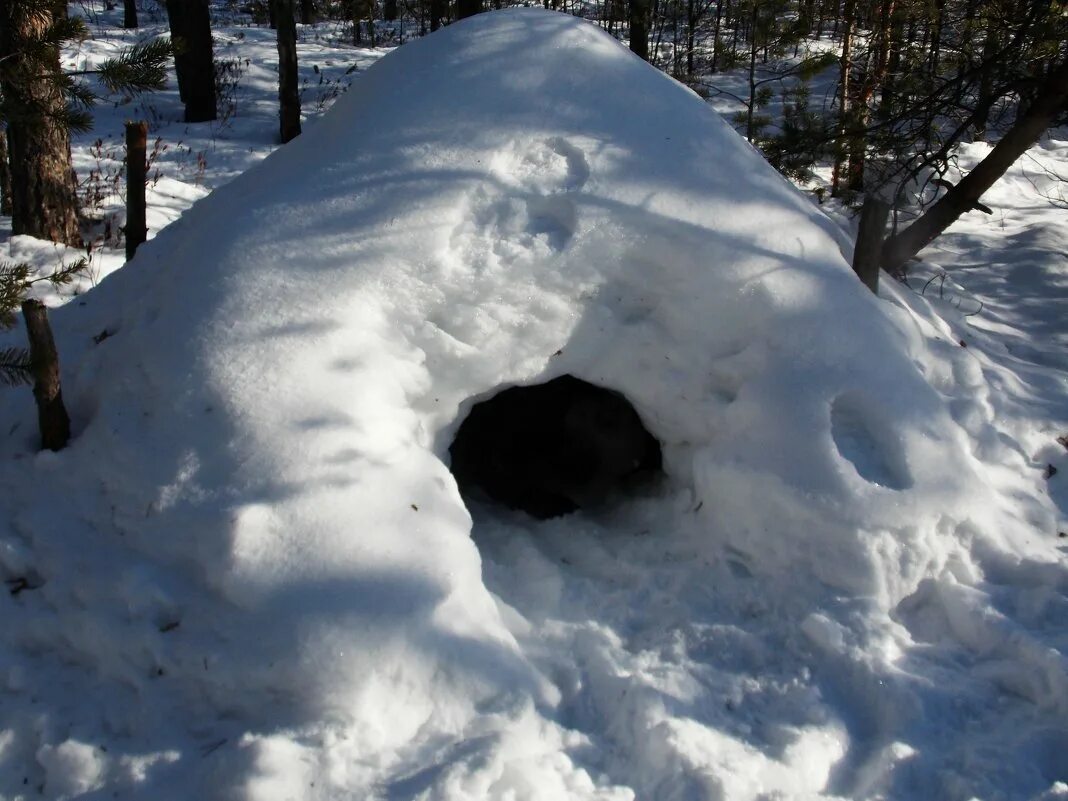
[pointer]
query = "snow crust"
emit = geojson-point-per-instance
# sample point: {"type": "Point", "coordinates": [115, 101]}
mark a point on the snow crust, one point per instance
{"type": "Point", "coordinates": [251, 575]}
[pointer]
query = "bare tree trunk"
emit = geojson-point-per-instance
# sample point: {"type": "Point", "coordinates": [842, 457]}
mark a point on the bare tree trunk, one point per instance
{"type": "Point", "coordinates": [52, 416]}
{"type": "Point", "coordinates": [288, 92]}
{"type": "Point", "coordinates": [307, 12]}
{"type": "Point", "coordinates": [190, 22]}
{"type": "Point", "coordinates": [639, 28]}
{"type": "Point", "coordinates": [750, 131]}
{"type": "Point", "coordinates": [5, 174]}
{"type": "Point", "coordinates": [44, 201]}
{"type": "Point", "coordinates": [867, 253]}
{"type": "Point", "coordinates": [873, 77]}
{"type": "Point", "coordinates": [715, 35]}
{"type": "Point", "coordinates": [691, 23]}
{"type": "Point", "coordinates": [1050, 101]}
{"type": "Point", "coordinates": [468, 8]}
{"type": "Point", "coordinates": [437, 11]}
{"type": "Point", "coordinates": [136, 173]}
{"type": "Point", "coordinates": [129, 14]}
{"type": "Point", "coordinates": [848, 17]}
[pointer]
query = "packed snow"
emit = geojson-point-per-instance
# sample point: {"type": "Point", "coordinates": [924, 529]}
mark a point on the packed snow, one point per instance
{"type": "Point", "coordinates": [252, 575]}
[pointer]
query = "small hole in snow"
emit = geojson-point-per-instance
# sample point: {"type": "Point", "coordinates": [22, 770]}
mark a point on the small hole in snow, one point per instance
{"type": "Point", "coordinates": [553, 448]}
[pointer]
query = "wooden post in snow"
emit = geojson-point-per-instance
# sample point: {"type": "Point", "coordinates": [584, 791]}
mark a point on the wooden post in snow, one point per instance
{"type": "Point", "coordinates": [52, 416]}
{"type": "Point", "coordinates": [136, 175]}
{"type": "Point", "coordinates": [867, 253]}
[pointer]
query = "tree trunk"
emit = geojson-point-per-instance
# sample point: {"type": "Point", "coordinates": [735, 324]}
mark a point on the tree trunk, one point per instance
{"type": "Point", "coordinates": [1049, 102]}
{"type": "Point", "coordinates": [5, 174]}
{"type": "Point", "coordinates": [288, 92]}
{"type": "Point", "coordinates": [848, 14]}
{"type": "Point", "coordinates": [437, 11]}
{"type": "Point", "coordinates": [468, 8]}
{"type": "Point", "coordinates": [389, 10]}
{"type": "Point", "coordinates": [691, 23]}
{"type": "Point", "coordinates": [639, 28]}
{"type": "Point", "coordinates": [307, 12]}
{"type": "Point", "coordinates": [52, 416]}
{"type": "Point", "coordinates": [44, 201]}
{"type": "Point", "coordinates": [715, 35]}
{"type": "Point", "coordinates": [177, 22]}
{"type": "Point", "coordinates": [867, 252]}
{"type": "Point", "coordinates": [136, 174]}
{"type": "Point", "coordinates": [750, 131]}
{"type": "Point", "coordinates": [190, 22]}
{"type": "Point", "coordinates": [874, 76]}
{"type": "Point", "coordinates": [129, 14]}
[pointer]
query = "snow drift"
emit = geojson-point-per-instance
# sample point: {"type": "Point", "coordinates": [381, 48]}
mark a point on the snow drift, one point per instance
{"type": "Point", "coordinates": [251, 574]}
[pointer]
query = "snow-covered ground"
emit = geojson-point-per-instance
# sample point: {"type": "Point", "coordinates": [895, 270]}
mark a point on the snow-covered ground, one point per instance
{"type": "Point", "coordinates": [251, 574]}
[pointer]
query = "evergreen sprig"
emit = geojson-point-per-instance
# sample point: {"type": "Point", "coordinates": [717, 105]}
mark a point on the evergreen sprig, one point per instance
{"type": "Point", "coordinates": [15, 367]}
{"type": "Point", "coordinates": [15, 282]}
{"type": "Point", "coordinates": [140, 68]}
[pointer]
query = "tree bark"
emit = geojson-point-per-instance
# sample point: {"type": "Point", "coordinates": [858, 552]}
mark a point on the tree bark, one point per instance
{"type": "Point", "coordinates": [639, 28]}
{"type": "Point", "coordinates": [44, 201]}
{"type": "Point", "coordinates": [190, 22]}
{"type": "Point", "coordinates": [307, 12]}
{"type": "Point", "coordinates": [52, 416]}
{"type": "Point", "coordinates": [867, 252]}
{"type": "Point", "coordinates": [437, 11]}
{"type": "Point", "coordinates": [1050, 101]}
{"type": "Point", "coordinates": [288, 92]}
{"type": "Point", "coordinates": [468, 8]}
{"type": "Point", "coordinates": [5, 174]}
{"type": "Point", "coordinates": [129, 14]}
{"type": "Point", "coordinates": [389, 10]}
{"type": "Point", "coordinates": [845, 65]}
{"type": "Point", "coordinates": [136, 174]}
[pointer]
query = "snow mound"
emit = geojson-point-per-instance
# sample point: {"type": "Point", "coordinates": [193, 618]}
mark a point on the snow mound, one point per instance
{"type": "Point", "coordinates": [252, 575]}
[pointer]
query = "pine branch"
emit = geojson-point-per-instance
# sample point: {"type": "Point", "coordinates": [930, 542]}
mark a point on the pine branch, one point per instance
{"type": "Point", "coordinates": [15, 367]}
{"type": "Point", "coordinates": [142, 68]}
{"type": "Point", "coordinates": [15, 281]}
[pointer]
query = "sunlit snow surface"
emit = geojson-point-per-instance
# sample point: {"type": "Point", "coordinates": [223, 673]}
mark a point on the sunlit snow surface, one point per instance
{"type": "Point", "coordinates": [251, 574]}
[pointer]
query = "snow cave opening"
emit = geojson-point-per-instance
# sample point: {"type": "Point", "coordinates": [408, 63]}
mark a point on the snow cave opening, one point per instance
{"type": "Point", "coordinates": [553, 448]}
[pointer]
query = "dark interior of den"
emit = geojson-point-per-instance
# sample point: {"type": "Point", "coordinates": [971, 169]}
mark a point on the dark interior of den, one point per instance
{"type": "Point", "coordinates": [553, 448]}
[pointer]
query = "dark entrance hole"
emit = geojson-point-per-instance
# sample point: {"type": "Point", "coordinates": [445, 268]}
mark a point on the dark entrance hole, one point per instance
{"type": "Point", "coordinates": [553, 448]}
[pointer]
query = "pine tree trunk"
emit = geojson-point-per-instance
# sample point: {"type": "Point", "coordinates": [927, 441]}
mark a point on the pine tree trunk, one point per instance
{"type": "Point", "coordinates": [867, 252]}
{"type": "Point", "coordinates": [176, 21]}
{"type": "Point", "coordinates": [129, 14]}
{"type": "Point", "coordinates": [389, 10]}
{"type": "Point", "coordinates": [190, 22]}
{"type": "Point", "coordinates": [468, 8]}
{"type": "Point", "coordinates": [307, 12]}
{"type": "Point", "coordinates": [715, 35]}
{"type": "Point", "coordinates": [44, 201]}
{"type": "Point", "coordinates": [639, 28]}
{"type": "Point", "coordinates": [288, 92]}
{"type": "Point", "coordinates": [5, 174]}
{"type": "Point", "coordinates": [52, 416]}
{"type": "Point", "coordinates": [750, 130]}
{"type": "Point", "coordinates": [845, 65]}
{"type": "Point", "coordinates": [136, 174]}
{"type": "Point", "coordinates": [1050, 101]}
{"type": "Point", "coordinates": [437, 11]}
{"type": "Point", "coordinates": [691, 23]}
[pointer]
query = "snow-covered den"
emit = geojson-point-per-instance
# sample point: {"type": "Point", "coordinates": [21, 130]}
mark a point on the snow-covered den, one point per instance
{"type": "Point", "coordinates": [252, 575]}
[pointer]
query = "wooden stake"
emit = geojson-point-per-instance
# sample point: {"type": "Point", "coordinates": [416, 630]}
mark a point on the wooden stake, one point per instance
{"type": "Point", "coordinates": [52, 416]}
{"type": "Point", "coordinates": [136, 175]}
